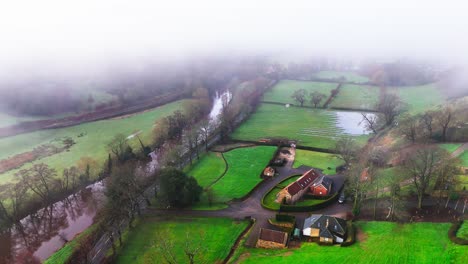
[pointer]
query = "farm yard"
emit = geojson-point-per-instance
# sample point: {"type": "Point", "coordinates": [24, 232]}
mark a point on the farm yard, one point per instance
{"type": "Point", "coordinates": [358, 97]}
{"type": "Point", "coordinates": [216, 236]}
{"type": "Point", "coordinates": [378, 242]}
{"type": "Point", "coordinates": [337, 75]}
{"type": "Point", "coordinates": [282, 92]}
{"type": "Point", "coordinates": [244, 168]}
{"type": "Point", "coordinates": [412, 96]}
{"type": "Point", "coordinates": [310, 127]}
{"type": "Point", "coordinates": [90, 138]}
{"type": "Point", "coordinates": [324, 161]}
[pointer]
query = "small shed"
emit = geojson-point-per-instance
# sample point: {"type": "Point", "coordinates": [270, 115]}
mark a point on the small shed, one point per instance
{"type": "Point", "coordinates": [272, 239]}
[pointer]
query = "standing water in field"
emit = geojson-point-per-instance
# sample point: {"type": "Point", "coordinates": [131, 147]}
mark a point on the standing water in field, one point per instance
{"type": "Point", "coordinates": [351, 122]}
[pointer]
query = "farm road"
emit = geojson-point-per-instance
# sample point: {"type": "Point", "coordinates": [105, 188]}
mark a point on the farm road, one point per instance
{"type": "Point", "coordinates": [252, 207]}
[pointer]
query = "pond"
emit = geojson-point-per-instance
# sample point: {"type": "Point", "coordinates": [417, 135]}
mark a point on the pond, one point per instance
{"type": "Point", "coordinates": [351, 122]}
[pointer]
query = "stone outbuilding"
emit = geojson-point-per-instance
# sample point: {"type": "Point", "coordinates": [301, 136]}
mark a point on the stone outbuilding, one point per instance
{"type": "Point", "coordinates": [272, 239]}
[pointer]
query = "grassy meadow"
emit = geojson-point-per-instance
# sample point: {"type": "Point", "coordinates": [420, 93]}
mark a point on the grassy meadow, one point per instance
{"type": "Point", "coordinates": [93, 144]}
{"type": "Point", "coordinates": [244, 168]}
{"type": "Point", "coordinates": [282, 92]}
{"type": "Point", "coordinates": [310, 127]}
{"type": "Point", "coordinates": [348, 76]}
{"type": "Point", "coordinates": [450, 147]}
{"type": "Point", "coordinates": [380, 242]}
{"type": "Point", "coordinates": [324, 161]}
{"type": "Point", "coordinates": [356, 97]}
{"type": "Point", "coordinates": [216, 235]}
{"type": "Point", "coordinates": [420, 98]}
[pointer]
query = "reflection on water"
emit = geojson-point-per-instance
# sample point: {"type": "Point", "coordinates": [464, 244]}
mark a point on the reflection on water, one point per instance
{"type": "Point", "coordinates": [351, 123]}
{"type": "Point", "coordinates": [39, 235]}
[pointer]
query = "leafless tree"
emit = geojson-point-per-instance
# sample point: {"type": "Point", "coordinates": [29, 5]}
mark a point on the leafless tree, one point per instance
{"type": "Point", "coordinates": [409, 127]}
{"type": "Point", "coordinates": [316, 98]}
{"type": "Point", "coordinates": [346, 149]}
{"type": "Point", "coordinates": [444, 119]}
{"type": "Point", "coordinates": [117, 145]}
{"type": "Point", "coordinates": [205, 130]}
{"type": "Point", "coordinates": [193, 246]}
{"type": "Point", "coordinates": [370, 122]}
{"type": "Point", "coordinates": [390, 106]}
{"type": "Point", "coordinates": [421, 167]}
{"type": "Point", "coordinates": [427, 122]}
{"type": "Point", "coordinates": [40, 179]}
{"type": "Point", "coordinates": [299, 96]}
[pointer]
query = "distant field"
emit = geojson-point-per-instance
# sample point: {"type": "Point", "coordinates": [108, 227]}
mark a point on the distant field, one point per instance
{"type": "Point", "coordinates": [244, 168]}
{"type": "Point", "coordinates": [215, 235]}
{"type": "Point", "coordinates": [381, 242]}
{"type": "Point", "coordinates": [349, 76]}
{"type": "Point", "coordinates": [311, 127]}
{"type": "Point", "coordinates": [92, 144]}
{"type": "Point", "coordinates": [356, 97]}
{"type": "Point", "coordinates": [420, 98]}
{"type": "Point", "coordinates": [282, 92]}
{"type": "Point", "coordinates": [319, 160]}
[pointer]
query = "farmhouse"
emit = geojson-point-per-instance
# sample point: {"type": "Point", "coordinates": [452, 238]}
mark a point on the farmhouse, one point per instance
{"type": "Point", "coordinates": [272, 239]}
{"type": "Point", "coordinates": [322, 187]}
{"type": "Point", "coordinates": [294, 191]}
{"type": "Point", "coordinates": [327, 229]}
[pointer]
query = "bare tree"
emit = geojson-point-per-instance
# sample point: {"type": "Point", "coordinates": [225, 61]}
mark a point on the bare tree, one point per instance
{"type": "Point", "coordinates": [192, 247]}
{"type": "Point", "coordinates": [316, 98]}
{"type": "Point", "coordinates": [427, 122]}
{"type": "Point", "coordinates": [390, 106]}
{"type": "Point", "coordinates": [370, 122]}
{"type": "Point", "coordinates": [40, 179]}
{"type": "Point", "coordinates": [205, 130]}
{"type": "Point", "coordinates": [409, 127]}
{"type": "Point", "coordinates": [444, 119]}
{"type": "Point", "coordinates": [355, 185]}
{"type": "Point", "coordinates": [299, 96]}
{"type": "Point", "coordinates": [421, 167]}
{"type": "Point", "coordinates": [346, 149]}
{"type": "Point", "coordinates": [117, 145]}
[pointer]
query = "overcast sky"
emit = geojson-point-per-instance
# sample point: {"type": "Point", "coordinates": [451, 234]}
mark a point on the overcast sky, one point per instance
{"type": "Point", "coordinates": [65, 30]}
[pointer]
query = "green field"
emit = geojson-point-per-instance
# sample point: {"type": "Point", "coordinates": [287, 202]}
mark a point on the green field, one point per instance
{"type": "Point", "coordinates": [311, 127]}
{"type": "Point", "coordinates": [245, 166]}
{"type": "Point", "coordinates": [462, 182]}
{"type": "Point", "coordinates": [382, 242]}
{"type": "Point", "coordinates": [324, 161]}
{"type": "Point", "coordinates": [92, 144]}
{"type": "Point", "coordinates": [420, 98]}
{"type": "Point", "coordinates": [356, 97]}
{"type": "Point", "coordinates": [208, 169]}
{"type": "Point", "coordinates": [282, 92]}
{"type": "Point", "coordinates": [464, 158]}
{"type": "Point", "coordinates": [463, 231]}
{"type": "Point", "coordinates": [217, 237]}
{"type": "Point", "coordinates": [450, 147]}
{"type": "Point", "coordinates": [349, 76]}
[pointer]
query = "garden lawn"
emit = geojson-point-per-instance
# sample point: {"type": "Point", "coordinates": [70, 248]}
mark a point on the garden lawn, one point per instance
{"type": "Point", "coordinates": [283, 90]}
{"type": "Point", "coordinates": [245, 166]}
{"type": "Point", "coordinates": [463, 231]}
{"type": "Point", "coordinates": [318, 160]}
{"type": "Point", "coordinates": [311, 127]}
{"type": "Point", "coordinates": [217, 237]}
{"type": "Point", "coordinates": [450, 147]}
{"type": "Point", "coordinates": [461, 182]}
{"type": "Point", "coordinates": [420, 98]}
{"type": "Point", "coordinates": [336, 75]}
{"type": "Point", "coordinates": [270, 197]}
{"type": "Point", "coordinates": [359, 97]}
{"type": "Point", "coordinates": [208, 169]}
{"type": "Point", "coordinates": [464, 158]}
{"type": "Point", "coordinates": [383, 242]}
{"type": "Point", "coordinates": [93, 144]}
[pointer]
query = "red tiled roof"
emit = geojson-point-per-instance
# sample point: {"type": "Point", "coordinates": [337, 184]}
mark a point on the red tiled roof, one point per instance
{"type": "Point", "coordinates": [303, 182]}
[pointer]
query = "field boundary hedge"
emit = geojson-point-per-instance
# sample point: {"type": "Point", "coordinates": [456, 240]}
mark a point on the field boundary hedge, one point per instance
{"type": "Point", "coordinates": [333, 95]}
{"type": "Point", "coordinates": [330, 151]}
{"type": "Point", "coordinates": [238, 240]}
{"type": "Point", "coordinates": [452, 233]}
{"type": "Point", "coordinates": [354, 109]}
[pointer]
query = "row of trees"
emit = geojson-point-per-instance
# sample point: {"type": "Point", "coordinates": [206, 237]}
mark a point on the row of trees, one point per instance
{"type": "Point", "coordinates": [430, 125]}
{"type": "Point", "coordinates": [315, 97]}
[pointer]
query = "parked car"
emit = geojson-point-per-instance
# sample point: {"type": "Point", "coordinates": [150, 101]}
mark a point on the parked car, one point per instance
{"type": "Point", "coordinates": [342, 198]}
